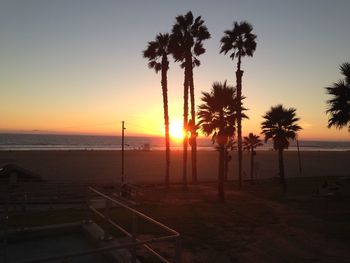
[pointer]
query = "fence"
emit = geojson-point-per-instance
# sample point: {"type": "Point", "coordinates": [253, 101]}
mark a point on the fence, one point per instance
{"type": "Point", "coordinates": [136, 215]}
{"type": "Point", "coordinates": [105, 206]}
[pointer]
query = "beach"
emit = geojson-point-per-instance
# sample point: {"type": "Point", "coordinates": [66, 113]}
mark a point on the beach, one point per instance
{"type": "Point", "coordinates": [149, 166]}
{"type": "Point", "coordinates": [254, 225]}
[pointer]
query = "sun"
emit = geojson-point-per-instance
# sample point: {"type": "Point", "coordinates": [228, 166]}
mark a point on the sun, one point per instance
{"type": "Point", "coordinates": [176, 130]}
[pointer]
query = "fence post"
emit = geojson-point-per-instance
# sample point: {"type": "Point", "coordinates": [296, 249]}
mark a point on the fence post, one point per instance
{"type": "Point", "coordinates": [24, 210]}
{"type": "Point", "coordinates": [107, 229]}
{"type": "Point", "coordinates": [134, 237]}
{"type": "Point", "coordinates": [6, 218]}
{"type": "Point", "coordinates": [86, 205]}
{"type": "Point", "coordinates": [178, 250]}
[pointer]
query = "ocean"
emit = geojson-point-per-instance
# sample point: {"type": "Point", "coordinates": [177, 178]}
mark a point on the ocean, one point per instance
{"type": "Point", "coordinates": [91, 142]}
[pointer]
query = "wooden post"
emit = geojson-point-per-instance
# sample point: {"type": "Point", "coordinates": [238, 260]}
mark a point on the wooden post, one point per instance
{"type": "Point", "coordinates": [24, 211]}
{"type": "Point", "coordinates": [107, 229]}
{"type": "Point", "coordinates": [178, 250]}
{"type": "Point", "coordinates": [134, 237]}
{"type": "Point", "coordinates": [86, 206]}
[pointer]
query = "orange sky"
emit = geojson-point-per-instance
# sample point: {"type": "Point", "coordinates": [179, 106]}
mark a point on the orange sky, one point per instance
{"type": "Point", "coordinates": [78, 68]}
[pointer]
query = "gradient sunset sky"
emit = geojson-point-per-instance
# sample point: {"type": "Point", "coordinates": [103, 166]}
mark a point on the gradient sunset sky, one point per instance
{"type": "Point", "coordinates": [77, 67]}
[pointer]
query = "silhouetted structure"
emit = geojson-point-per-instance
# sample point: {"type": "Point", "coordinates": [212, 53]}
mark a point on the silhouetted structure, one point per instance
{"type": "Point", "coordinates": [339, 104]}
{"type": "Point", "coordinates": [241, 42]}
{"type": "Point", "coordinates": [280, 125]}
{"type": "Point", "coordinates": [13, 175]}
{"type": "Point", "coordinates": [157, 53]}
{"type": "Point", "coordinates": [217, 117]}
{"type": "Point", "coordinates": [186, 45]}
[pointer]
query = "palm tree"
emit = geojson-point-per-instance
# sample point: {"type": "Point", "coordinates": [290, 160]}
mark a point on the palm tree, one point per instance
{"type": "Point", "coordinates": [339, 105]}
{"type": "Point", "coordinates": [229, 147]}
{"type": "Point", "coordinates": [186, 45]}
{"type": "Point", "coordinates": [217, 118]}
{"type": "Point", "coordinates": [157, 53]}
{"type": "Point", "coordinates": [250, 142]}
{"type": "Point", "coordinates": [280, 125]}
{"type": "Point", "coordinates": [242, 42]}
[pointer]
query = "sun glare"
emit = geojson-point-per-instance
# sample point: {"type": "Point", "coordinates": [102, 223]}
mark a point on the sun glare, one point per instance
{"type": "Point", "coordinates": [176, 131]}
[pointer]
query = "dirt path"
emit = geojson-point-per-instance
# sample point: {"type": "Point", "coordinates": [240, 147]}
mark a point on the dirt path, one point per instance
{"type": "Point", "coordinates": [245, 229]}
{"type": "Point", "coordinates": [285, 242]}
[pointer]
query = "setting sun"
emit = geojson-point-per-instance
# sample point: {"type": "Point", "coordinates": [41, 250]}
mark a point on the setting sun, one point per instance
{"type": "Point", "coordinates": [176, 130]}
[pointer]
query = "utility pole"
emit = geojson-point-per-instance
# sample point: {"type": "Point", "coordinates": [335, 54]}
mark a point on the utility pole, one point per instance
{"type": "Point", "coordinates": [123, 128]}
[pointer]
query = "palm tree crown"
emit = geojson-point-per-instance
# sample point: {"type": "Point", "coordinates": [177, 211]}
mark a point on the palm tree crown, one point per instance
{"type": "Point", "coordinates": [186, 38]}
{"type": "Point", "coordinates": [251, 141]}
{"type": "Point", "coordinates": [217, 113]}
{"type": "Point", "coordinates": [240, 40]}
{"type": "Point", "coordinates": [339, 104]}
{"type": "Point", "coordinates": [280, 125]}
{"type": "Point", "coordinates": [157, 51]}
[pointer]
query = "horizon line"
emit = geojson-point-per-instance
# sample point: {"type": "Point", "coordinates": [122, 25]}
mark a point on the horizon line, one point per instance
{"type": "Point", "coordinates": [34, 132]}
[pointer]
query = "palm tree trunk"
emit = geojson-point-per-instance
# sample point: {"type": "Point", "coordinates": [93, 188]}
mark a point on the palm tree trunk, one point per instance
{"type": "Point", "coordinates": [166, 118]}
{"type": "Point", "coordinates": [193, 118]}
{"type": "Point", "coordinates": [185, 140]}
{"type": "Point", "coordinates": [221, 193]}
{"type": "Point", "coordinates": [281, 170]}
{"type": "Point", "coordinates": [239, 75]}
{"type": "Point", "coordinates": [251, 165]}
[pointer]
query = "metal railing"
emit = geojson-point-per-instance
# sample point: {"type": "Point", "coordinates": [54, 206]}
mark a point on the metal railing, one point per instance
{"type": "Point", "coordinates": [136, 215]}
{"type": "Point", "coordinates": [107, 206]}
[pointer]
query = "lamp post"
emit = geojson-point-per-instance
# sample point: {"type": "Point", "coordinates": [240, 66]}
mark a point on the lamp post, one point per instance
{"type": "Point", "coordinates": [123, 128]}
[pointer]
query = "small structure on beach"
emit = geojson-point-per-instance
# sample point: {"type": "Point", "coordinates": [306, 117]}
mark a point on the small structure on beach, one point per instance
{"type": "Point", "coordinates": [13, 174]}
{"type": "Point", "coordinates": [146, 147]}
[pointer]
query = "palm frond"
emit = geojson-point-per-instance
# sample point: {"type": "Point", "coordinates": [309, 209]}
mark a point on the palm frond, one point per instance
{"type": "Point", "coordinates": [240, 40]}
{"type": "Point", "coordinates": [251, 141]}
{"type": "Point", "coordinates": [339, 104]}
{"type": "Point", "coordinates": [215, 114]}
{"type": "Point", "coordinates": [157, 52]}
{"type": "Point", "coordinates": [280, 125]}
{"type": "Point", "coordinates": [345, 70]}
{"type": "Point", "coordinates": [187, 36]}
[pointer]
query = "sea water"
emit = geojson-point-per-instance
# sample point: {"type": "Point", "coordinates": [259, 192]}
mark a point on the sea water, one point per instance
{"type": "Point", "coordinates": [11, 141]}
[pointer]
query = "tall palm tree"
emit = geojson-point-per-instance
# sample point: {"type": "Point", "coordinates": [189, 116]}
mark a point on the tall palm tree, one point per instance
{"type": "Point", "coordinates": [187, 38]}
{"type": "Point", "coordinates": [280, 125]}
{"type": "Point", "coordinates": [250, 142]}
{"type": "Point", "coordinates": [217, 118]}
{"type": "Point", "coordinates": [339, 105]}
{"type": "Point", "coordinates": [242, 42]}
{"type": "Point", "coordinates": [157, 53]}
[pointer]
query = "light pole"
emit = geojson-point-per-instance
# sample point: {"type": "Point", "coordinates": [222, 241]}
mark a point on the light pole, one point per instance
{"type": "Point", "coordinates": [123, 128]}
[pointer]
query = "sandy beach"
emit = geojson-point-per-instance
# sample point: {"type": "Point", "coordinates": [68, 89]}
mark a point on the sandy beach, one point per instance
{"type": "Point", "coordinates": [254, 225]}
{"type": "Point", "coordinates": [148, 166]}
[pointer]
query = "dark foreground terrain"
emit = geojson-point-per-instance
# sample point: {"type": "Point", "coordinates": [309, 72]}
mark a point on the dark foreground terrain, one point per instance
{"type": "Point", "coordinates": [256, 224]}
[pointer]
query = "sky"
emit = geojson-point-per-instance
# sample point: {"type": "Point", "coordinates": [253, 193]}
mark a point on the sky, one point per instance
{"type": "Point", "coordinates": [73, 66]}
